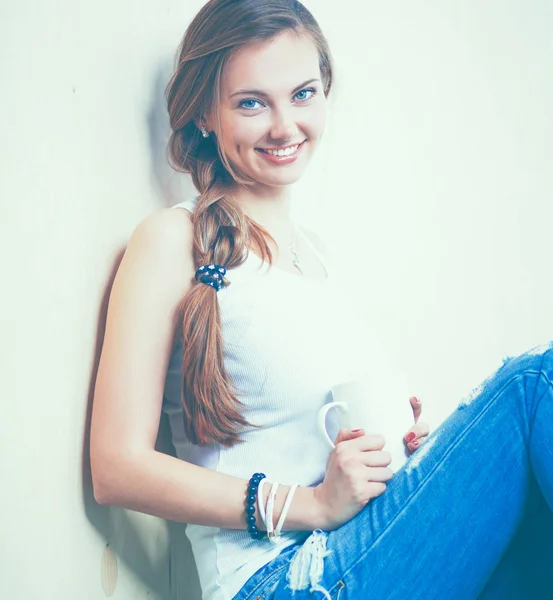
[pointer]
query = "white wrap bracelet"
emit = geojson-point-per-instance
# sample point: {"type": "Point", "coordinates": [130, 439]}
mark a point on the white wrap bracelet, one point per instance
{"type": "Point", "coordinates": [284, 512]}
{"type": "Point", "coordinates": [261, 502]}
{"type": "Point", "coordinates": [266, 514]}
{"type": "Point", "coordinates": [269, 512]}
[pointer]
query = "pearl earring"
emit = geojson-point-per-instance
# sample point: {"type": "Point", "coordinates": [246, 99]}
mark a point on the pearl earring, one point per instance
{"type": "Point", "coordinates": [204, 132]}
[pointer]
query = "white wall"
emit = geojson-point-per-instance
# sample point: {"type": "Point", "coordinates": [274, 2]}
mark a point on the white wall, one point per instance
{"type": "Point", "coordinates": [436, 169]}
{"type": "Point", "coordinates": [438, 172]}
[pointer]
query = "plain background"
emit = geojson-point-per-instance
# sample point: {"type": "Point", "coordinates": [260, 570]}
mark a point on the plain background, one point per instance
{"type": "Point", "coordinates": [434, 182]}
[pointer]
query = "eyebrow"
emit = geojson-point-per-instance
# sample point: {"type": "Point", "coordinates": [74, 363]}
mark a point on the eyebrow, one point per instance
{"type": "Point", "coordinates": [262, 93]}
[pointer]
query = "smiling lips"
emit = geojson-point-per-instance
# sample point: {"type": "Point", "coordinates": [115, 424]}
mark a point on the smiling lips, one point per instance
{"type": "Point", "coordinates": [286, 151]}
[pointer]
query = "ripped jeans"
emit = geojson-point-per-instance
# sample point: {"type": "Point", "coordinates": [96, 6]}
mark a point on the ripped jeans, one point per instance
{"type": "Point", "coordinates": [469, 515]}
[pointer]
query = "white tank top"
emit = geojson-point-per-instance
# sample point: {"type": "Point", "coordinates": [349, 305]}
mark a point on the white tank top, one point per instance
{"type": "Point", "coordinates": [284, 341]}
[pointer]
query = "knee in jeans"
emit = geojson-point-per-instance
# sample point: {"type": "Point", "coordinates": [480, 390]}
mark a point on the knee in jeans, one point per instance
{"type": "Point", "coordinates": [477, 391]}
{"type": "Point", "coordinates": [521, 361]}
{"type": "Point", "coordinates": [541, 349]}
{"type": "Point", "coordinates": [546, 353]}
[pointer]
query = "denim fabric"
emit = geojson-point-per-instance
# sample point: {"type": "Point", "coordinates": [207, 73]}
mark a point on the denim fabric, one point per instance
{"type": "Point", "coordinates": [458, 519]}
{"type": "Point", "coordinates": [263, 583]}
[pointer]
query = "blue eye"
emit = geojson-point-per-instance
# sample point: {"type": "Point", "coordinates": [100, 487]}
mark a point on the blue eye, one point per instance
{"type": "Point", "coordinates": [312, 91]}
{"type": "Point", "coordinates": [241, 104]}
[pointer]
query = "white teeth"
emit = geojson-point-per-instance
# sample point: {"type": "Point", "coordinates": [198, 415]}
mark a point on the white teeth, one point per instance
{"type": "Point", "coordinates": [286, 152]}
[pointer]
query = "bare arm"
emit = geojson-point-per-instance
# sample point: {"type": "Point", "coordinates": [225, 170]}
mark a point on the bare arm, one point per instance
{"type": "Point", "coordinates": [155, 273]}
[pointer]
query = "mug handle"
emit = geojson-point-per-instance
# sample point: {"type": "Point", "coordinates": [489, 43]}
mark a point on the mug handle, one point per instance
{"type": "Point", "coordinates": [321, 419]}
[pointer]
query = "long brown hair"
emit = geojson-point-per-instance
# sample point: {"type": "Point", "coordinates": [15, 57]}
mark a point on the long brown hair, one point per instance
{"type": "Point", "coordinates": [222, 231]}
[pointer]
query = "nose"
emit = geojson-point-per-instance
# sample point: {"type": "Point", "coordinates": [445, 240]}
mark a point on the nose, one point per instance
{"type": "Point", "coordinates": [283, 126]}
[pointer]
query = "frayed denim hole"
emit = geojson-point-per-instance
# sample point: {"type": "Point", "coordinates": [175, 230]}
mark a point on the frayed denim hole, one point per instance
{"type": "Point", "coordinates": [415, 459]}
{"type": "Point", "coordinates": [307, 566]}
{"type": "Point", "coordinates": [536, 351]}
{"type": "Point", "coordinates": [477, 391]}
{"type": "Point", "coordinates": [541, 349]}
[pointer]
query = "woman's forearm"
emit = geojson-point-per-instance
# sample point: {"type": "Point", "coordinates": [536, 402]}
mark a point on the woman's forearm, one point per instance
{"type": "Point", "coordinates": [167, 487]}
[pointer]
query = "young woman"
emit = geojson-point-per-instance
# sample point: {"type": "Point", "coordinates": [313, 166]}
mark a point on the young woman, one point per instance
{"type": "Point", "coordinates": [223, 314]}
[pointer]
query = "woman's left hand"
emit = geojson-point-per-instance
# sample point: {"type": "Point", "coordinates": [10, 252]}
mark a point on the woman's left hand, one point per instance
{"type": "Point", "coordinates": [418, 434]}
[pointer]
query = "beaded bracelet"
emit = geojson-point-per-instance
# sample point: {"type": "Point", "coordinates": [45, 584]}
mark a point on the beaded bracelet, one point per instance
{"type": "Point", "coordinates": [249, 513]}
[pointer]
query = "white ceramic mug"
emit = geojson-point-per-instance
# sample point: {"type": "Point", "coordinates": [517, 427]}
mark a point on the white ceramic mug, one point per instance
{"type": "Point", "coordinates": [361, 407]}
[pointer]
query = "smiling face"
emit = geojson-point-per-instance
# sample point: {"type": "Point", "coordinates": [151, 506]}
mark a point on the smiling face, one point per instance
{"type": "Point", "coordinates": [272, 98]}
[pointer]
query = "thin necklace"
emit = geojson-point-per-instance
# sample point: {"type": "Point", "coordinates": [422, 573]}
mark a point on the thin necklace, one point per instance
{"type": "Point", "coordinates": [294, 252]}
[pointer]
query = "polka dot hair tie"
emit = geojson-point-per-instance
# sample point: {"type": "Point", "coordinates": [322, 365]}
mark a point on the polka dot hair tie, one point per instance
{"type": "Point", "coordinates": [211, 275]}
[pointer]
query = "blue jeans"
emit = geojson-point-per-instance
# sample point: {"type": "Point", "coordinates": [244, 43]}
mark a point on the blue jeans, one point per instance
{"type": "Point", "coordinates": [469, 515]}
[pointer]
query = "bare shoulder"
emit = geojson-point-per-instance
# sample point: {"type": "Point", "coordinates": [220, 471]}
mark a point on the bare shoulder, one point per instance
{"type": "Point", "coordinates": [167, 229]}
{"type": "Point", "coordinates": [161, 248]}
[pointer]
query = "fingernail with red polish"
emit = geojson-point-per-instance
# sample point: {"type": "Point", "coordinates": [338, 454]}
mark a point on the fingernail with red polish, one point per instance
{"type": "Point", "coordinates": [411, 436]}
{"type": "Point", "coordinates": [415, 444]}
{"type": "Point", "coordinates": [355, 430]}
